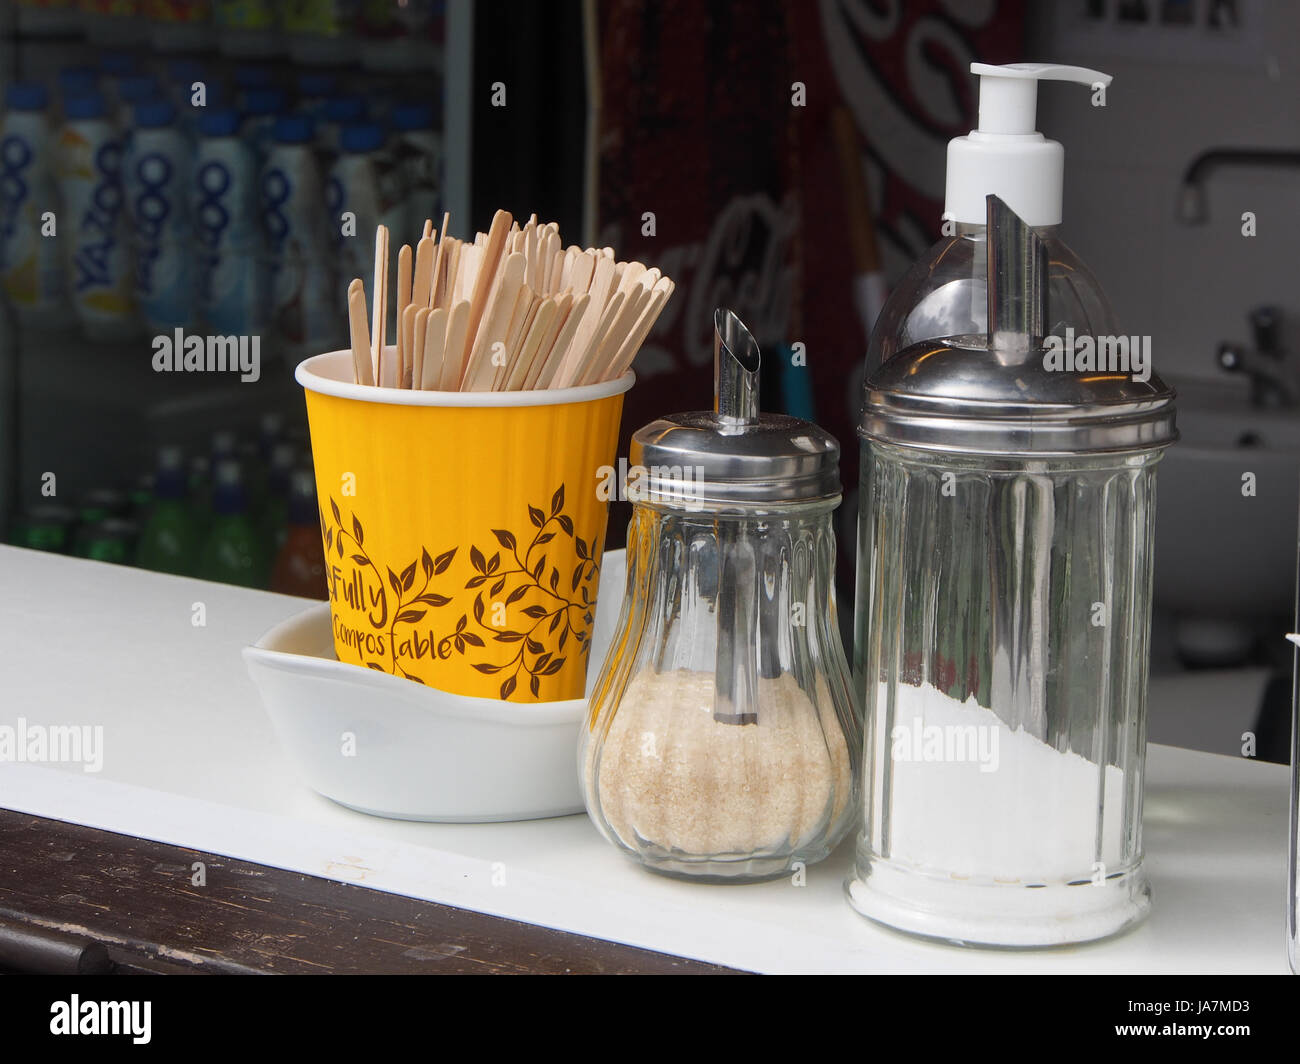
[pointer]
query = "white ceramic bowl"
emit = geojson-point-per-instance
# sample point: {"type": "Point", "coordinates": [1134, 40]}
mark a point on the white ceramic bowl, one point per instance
{"type": "Point", "coordinates": [389, 747]}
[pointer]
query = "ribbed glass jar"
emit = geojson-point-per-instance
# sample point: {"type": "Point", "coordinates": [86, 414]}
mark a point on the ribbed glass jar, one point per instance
{"type": "Point", "coordinates": [666, 780]}
{"type": "Point", "coordinates": [1001, 651]}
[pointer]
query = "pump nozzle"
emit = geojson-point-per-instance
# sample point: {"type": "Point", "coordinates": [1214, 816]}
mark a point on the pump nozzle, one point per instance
{"type": "Point", "coordinates": [1017, 284]}
{"type": "Point", "coordinates": [1005, 156]}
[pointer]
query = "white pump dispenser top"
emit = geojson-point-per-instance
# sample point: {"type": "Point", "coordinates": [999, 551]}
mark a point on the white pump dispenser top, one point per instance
{"type": "Point", "coordinates": [1006, 156]}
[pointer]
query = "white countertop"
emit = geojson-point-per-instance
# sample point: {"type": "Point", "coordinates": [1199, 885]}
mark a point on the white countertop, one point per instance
{"type": "Point", "coordinates": [190, 759]}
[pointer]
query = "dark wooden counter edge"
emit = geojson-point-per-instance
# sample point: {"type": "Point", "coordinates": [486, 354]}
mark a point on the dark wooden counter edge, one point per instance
{"type": "Point", "coordinates": [137, 898]}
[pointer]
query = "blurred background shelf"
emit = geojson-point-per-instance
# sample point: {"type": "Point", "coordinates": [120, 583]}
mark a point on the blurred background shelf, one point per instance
{"type": "Point", "coordinates": [122, 411]}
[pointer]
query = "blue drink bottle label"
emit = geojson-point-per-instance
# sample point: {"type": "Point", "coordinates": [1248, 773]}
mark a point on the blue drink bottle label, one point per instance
{"type": "Point", "coordinates": [157, 185]}
{"type": "Point", "coordinates": [304, 311]}
{"type": "Point", "coordinates": [30, 267]}
{"type": "Point", "coordinates": [223, 211]}
{"type": "Point", "coordinates": [88, 161]}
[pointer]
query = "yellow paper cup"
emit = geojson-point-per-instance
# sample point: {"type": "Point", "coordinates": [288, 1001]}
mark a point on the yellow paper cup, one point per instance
{"type": "Point", "coordinates": [463, 531]}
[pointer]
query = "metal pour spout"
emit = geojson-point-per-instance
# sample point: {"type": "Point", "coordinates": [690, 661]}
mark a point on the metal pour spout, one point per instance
{"type": "Point", "coordinates": [1017, 282]}
{"type": "Point", "coordinates": [736, 363]}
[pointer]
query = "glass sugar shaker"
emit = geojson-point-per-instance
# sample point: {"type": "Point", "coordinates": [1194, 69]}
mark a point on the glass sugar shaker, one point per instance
{"type": "Point", "coordinates": [1004, 567]}
{"type": "Point", "coordinates": [723, 742]}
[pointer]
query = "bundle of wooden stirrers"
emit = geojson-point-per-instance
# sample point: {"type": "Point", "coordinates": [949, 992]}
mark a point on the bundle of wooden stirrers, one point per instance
{"type": "Point", "coordinates": [512, 310]}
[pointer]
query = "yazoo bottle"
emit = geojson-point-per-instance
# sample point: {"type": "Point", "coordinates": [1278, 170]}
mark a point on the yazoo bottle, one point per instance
{"type": "Point", "coordinates": [130, 90]}
{"type": "Point", "coordinates": [115, 62]}
{"type": "Point", "coordinates": [261, 106]}
{"type": "Point", "coordinates": [223, 209]}
{"type": "Point", "coordinates": [250, 76]}
{"type": "Point", "coordinates": [30, 267]}
{"type": "Point", "coordinates": [416, 146]}
{"type": "Point", "coordinates": [336, 112]}
{"type": "Point", "coordinates": [304, 310]}
{"type": "Point", "coordinates": [314, 89]}
{"type": "Point", "coordinates": [157, 184]}
{"type": "Point", "coordinates": [367, 183]}
{"type": "Point", "coordinates": [77, 81]}
{"type": "Point", "coordinates": [183, 73]}
{"type": "Point", "coordinates": [114, 65]}
{"type": "Point", "coordinates": [88, 162]}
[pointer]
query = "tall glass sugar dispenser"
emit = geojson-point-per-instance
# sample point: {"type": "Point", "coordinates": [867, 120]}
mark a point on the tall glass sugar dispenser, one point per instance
{"type": "Point", "coordinates": [723, 741]}
{"type": "Point", "coordinates": [1009, 440]}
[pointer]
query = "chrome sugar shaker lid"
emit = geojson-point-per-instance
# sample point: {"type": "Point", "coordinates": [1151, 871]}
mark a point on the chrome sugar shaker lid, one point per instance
{"type": "Point", "coordinates": [734, 459]}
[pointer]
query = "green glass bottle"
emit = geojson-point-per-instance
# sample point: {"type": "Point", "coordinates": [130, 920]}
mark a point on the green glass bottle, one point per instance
{"type": "Point", "coordinates": [100, 504]}
{"type": "Point", "coordinates": [169, 542]}
{"type": "Point", "coordinates": [232, 552]}
{"type": "Point", "coordinates": [110, 540]}
{"type": "Point", "coordinates": [45, 527]}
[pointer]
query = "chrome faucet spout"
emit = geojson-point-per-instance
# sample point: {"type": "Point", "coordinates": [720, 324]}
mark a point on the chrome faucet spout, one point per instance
{"type": "Point", "coordinates": [1274, 376]}
{"type": "Point", "coordinates": [1191, 193]}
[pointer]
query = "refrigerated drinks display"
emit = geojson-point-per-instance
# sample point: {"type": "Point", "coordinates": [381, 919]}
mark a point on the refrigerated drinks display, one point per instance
{"type": "Point", "coordinates": [177, 201]}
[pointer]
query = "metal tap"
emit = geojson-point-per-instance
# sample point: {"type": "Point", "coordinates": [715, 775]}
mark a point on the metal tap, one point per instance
{"type": "Point", "coordinates": [1274, 377]}
{"type": "Point", "coordinates": [1191, 194]}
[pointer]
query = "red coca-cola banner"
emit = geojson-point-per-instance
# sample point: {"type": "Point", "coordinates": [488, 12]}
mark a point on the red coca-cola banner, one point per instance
{"type": "Point", "coordinates": [719, 164]}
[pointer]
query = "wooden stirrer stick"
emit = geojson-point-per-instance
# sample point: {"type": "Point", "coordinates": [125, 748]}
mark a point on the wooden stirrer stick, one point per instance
{"type": "Point", "coordinates": [417, 345]}
{"type": "Point", "coordinates": [495, 246]}
{"type": "Point", "coordinates": [478, 375]}
{"type": "Point", "coordinates": [422, 283]}
{"type": "Point", "coordinates": [626, 353]}
{"type": "Point", "coordinates": [520, 317]}
{"type": "Point", "coordinates": [403, 301]}
{"type": "Point", "coordinates": [538, 330]}
{"type": "Point", "coordinates": [563, 342]}
{"type": "Point", "coordinates": [406, 346]}
{"type": "Point", "coordinates": [379, 310]}
{"type": "Point", "coordinates": [581, 357]}
{"type": "Point", "coordinates": [361, 369]}
{"type": "Point", "coordinates": [453, 347]}
{"type": "Point", "coordinates": [562, 304]}
{"type": "Point", "coordinates": [435, 335]}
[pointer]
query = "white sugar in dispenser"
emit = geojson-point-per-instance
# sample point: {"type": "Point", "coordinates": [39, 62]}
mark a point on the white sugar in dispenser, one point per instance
{"type": "Point", "coordinates": [1010, 437]}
